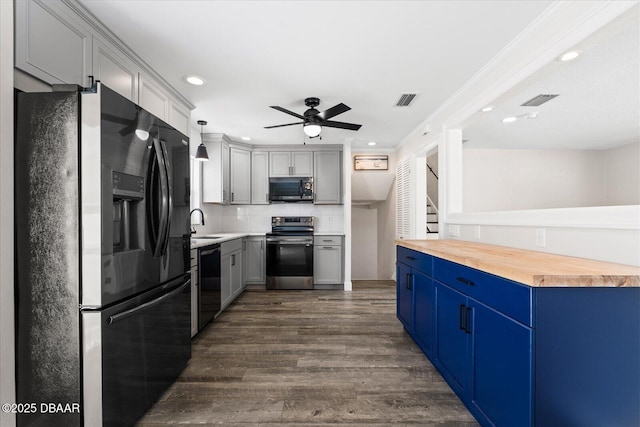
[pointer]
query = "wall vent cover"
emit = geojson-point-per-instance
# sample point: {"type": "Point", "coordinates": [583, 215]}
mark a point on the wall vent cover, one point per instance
{"type": "Point", "coordinates": [406, 99]}
{"type": "Point", "coordinates": [538, 100]}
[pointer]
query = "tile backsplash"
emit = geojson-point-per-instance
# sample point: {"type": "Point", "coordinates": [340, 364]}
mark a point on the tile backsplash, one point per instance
{"type": "Point", "coordinates": [257, 218]}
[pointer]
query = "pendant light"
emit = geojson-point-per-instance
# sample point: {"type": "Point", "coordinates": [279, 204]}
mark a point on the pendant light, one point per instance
{"type": "Point", "coordinates": [201, 154]}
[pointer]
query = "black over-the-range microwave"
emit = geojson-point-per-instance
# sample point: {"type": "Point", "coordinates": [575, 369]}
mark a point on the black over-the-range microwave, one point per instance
{"type": "Point", "coordinates": [291, 189]}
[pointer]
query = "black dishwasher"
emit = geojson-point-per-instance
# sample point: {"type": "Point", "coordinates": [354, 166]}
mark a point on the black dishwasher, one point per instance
{"type": "Point", "coordinates": [209, 296]}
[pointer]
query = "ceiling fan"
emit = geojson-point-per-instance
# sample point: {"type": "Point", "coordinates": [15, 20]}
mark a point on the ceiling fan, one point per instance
{"type": "Point", "coordinates": [313, 120]}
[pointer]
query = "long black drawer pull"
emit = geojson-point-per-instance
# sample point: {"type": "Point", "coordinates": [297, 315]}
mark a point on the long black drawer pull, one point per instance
{"type": "Point", "coordinates": [461, 318]}
{"type": "Point", "coordinates": [410, 258]}
{"type": "Point", "coordinates": [465, 281]}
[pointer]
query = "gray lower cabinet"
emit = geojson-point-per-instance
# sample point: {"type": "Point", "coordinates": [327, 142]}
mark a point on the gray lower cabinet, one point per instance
{"type": "Point", "coordinates": [194, 292]}
{"type": "Point", "coordinates": [231, 283]}
{"type": "Point", "coordinates": [327, 260]}
{"type": "Point", "coordinates": [254, 258]}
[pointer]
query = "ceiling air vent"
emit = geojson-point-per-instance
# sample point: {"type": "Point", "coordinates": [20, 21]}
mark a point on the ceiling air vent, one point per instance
{"type": "Point", "coordinates": [538, 100]}
{"type": "Point", "coordinates": [406, 99]}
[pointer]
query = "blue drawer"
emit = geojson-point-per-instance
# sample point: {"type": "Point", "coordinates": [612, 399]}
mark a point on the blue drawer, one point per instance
{"type": "Point", "coordinates": [508, 297]}
{"type": "Point", "coordinates": [416, 260]}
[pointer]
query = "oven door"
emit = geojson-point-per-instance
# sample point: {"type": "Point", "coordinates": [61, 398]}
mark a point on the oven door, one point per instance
{"type": "Point", "coordinates": [289, 262]}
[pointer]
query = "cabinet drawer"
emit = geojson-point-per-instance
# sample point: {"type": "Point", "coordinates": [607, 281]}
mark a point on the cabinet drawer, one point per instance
{"type": "Point", "coordinates": [231, 246]}
{"type": "Point", "coordinates": [510, 298]}
{"type": "Point", "coordinates": [416, 260]}
{"type": "Point", "coordinates": [327, 240]}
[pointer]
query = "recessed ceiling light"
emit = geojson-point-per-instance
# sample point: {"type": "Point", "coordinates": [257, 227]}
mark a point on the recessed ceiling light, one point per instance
{"type": "Point", "coordinates": [246, 138]}
{"type": "Point", "coordinates": [371, 143]}
{"type": "Point", "coordinates": [531, 115]}
{"type": "Point", "coordinates": [194, 80]}
{"type": "Point", "coordinates": [487, 109]}
{"type": "Point", "coordinates": [509, 119]}
{"type": "Point", "coordinates": [568, 56]}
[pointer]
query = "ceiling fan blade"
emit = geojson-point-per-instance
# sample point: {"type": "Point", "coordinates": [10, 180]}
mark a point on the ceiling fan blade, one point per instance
{"type": "Point", "coordinates": [341, 125]}
{"type": "Point", "coordinates": [284, 110]}
{"type": "Point", "coordinates": [279, 126]}
{"type": "Point", "coordinates": [333, 111]}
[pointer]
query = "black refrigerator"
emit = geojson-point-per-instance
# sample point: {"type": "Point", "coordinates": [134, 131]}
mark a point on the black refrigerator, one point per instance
{"type": "Point", "coordinates": [102, 257]}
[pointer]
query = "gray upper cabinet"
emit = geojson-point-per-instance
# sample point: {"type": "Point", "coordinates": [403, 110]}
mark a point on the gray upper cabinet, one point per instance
{"type": "Point", "coordinates": [327, 183]}
{"type": "Point", "coordinates": [115, 70]}
{"type": "Point", "coordinates": [56, 42]}
{"type": "Point", "coordinates": [50, 44]}
{"type": "Point", "coordinates": [259, 178]}
{"type": "Point", "coordinates": [215, 172]}
{"type": "Point", "coordinates": [240, 171]}
{"type": "Point", "coordinates": [152, 98]}
{"type": "Point", "coordinates": [290, 163]}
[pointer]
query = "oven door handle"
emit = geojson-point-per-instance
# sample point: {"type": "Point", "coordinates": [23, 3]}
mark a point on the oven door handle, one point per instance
{"type": "Point", "coordinates": [289, 242]}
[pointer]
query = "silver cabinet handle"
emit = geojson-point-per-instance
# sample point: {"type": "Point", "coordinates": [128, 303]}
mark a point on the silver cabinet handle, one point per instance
{"type": "Point", "coordinates": [328, 247]}
{"type": "Point", "coordinates": [233, 259]}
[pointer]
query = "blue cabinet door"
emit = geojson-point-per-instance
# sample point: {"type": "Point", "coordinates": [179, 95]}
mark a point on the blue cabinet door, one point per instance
{"type": "Point", "coordinates": [502, 368]}
{"type": "Point", "coordinates": [453, 341]}
{"type": "Point", "coordinates": [424, 312]}
{"type": "Point", "coordinates": [404, 289]}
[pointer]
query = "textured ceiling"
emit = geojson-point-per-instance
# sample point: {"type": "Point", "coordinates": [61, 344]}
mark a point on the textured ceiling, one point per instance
{"type": "Point", "coordinates": [254, 54]}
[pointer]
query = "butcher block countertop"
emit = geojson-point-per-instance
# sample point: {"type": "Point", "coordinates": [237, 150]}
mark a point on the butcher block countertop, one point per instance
{"type": "Point", "coordinates": [530, 267]}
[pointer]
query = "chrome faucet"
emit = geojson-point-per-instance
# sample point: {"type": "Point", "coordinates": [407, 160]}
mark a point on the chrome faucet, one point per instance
{"type": "Point", "coordinates": [193, 230]}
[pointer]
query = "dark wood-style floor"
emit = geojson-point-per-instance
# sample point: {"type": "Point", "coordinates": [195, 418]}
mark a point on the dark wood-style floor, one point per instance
{"type": "Point", "coordinates": [309, 358]}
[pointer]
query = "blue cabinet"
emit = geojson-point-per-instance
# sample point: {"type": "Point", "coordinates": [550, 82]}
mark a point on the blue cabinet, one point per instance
{"type": "Point", "coordinates": [404, 291]}
{"type": "Point", "coordinates": [424, 312]}
{"type": "Point", "coordinates": [476, 330]}
{"type": "Point", "coordinates": [501, 389]}
{"type": "Point", "coordinates": [454, 338]}
{"type": "Point", "coordinates": [523, 356]}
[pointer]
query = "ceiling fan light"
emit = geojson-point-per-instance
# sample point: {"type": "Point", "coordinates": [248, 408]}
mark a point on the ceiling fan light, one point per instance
{"type": "Point", "coordinates": [312, 130]}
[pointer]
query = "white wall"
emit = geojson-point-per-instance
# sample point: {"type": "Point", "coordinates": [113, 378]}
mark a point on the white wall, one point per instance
{"type": "Point", "coordinates": [7, 362]}
{"type": "Point", "coordinates": [622, 175]}
{"type": "Point", "coordinates": [364, 240]}
{"type": "Point", "coordinates": [257, 218]}
{"type": "Point", "coordinates": [502, 180]}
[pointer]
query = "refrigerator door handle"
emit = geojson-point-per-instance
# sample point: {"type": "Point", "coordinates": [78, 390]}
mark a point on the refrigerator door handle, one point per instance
{"type": "Point", "coordinates": [164, 200]}
{"type": "Point", "coordinates": [127, 313]}
{"type": "Point", "coordinates": [169, 197]}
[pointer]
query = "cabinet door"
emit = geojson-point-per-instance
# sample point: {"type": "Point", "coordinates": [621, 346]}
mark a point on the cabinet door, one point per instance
{"type": "Point", "coordinates": [453, 341]}
{"type": "Point", "coordinates": [502, 350]}
{"type": "Point", "coordinates": [152, 98]}
{"type": "Point", "coordinates": [255, 261]}
{"type": "Point", "coordinates": [225, 280]}
{"type": "Point", "coordinates": [236, 274]}
{"type": "Point", "coordinates": [115, 70]}
{"type": "Point", "coordinates": [226, 184]}
{"type": "Point", "coordinates": [404, 296]}
{"type": "Point", "coordinates": [179, 117]}
{"type": "Point", "coordinates": [302, 163]}
{"type": "Point", "coordinates": [194, 301]}
{"type": "Point", "coordinates": [327, 265]}
{"type": "Point", "coordinates": [327, 183]}
{"type": "Point", "coordinates": [424, 309]}
{"type": "Point", "coordinates": [279, 163]}
{"type": "Point", "coordinates": [240, 174]}
{"type": "Point", "coordinates": [51, 44]}
{"type": "Point", "coordinates": [259, 178]}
